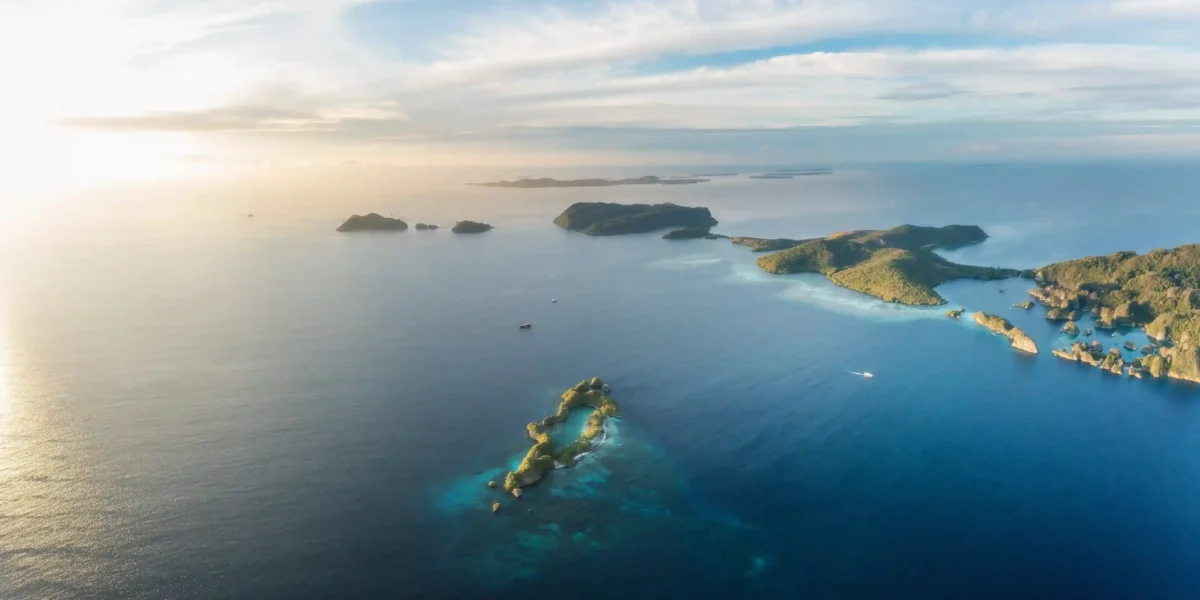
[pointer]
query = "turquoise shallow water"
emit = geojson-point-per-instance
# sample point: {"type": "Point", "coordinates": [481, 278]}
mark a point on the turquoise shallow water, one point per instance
{"type": "Point", "coordinates": [273, 410]}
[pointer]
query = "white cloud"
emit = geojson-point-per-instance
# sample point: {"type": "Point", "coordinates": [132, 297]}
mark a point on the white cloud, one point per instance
{"type": "Point", "coordinates": [255, 67]}
{"type": "Point", "coordinates": [1157, 8]}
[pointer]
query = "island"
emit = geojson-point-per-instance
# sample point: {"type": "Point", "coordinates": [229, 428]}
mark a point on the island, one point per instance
{"type": "Point", "coordinates": [773, 176]}
{"type": "Point", "coordinates": [544, 456]}
{"type": "Point", "coordinates": [604, 218]}
{"type": "Point", "coordinates": [808, 171]}
{"type": "Point", "coordinates": [956, 313]}
{"type": "Point", "coordinates": [470, 227]}
{"type": "Point", "coordinates": [372, 222]}
{"type": "Point", "coordinates": [1028, 304]}
{"type": "Point", "coordinates": [895, 265]}
{"type": "Point", "coordinates": [1080, 352]}
{"type": "Point", "coordinates": [767, 245]}
{"type": "Point", "coordinates": [426, 227]}
{"type": "Point", "coordinates": [692, 233]}
{"type": "Point", "coordinates": [1001, 326]}
{"type": "Point", "coordinates": [1158, 291]}
{"type": "Point", "coordinates": [1071, 328]}
{"type": "Point", "coordinates": [546, 182]}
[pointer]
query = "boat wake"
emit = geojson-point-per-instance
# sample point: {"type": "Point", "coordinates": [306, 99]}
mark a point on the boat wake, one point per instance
{"type": "Point", "coordinates": [864, 375]}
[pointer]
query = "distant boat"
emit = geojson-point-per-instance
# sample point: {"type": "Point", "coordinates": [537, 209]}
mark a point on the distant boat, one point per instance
{"type": "Point", "coordinates": [526, 326]}
{"type": "Point", "coordinates": [553, 301]}
{"type": "Point", "coordinates": [867, 375]}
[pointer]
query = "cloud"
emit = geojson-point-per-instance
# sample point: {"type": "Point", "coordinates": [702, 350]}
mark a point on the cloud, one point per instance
{"type": "Point", "coordinates": [300, 69]}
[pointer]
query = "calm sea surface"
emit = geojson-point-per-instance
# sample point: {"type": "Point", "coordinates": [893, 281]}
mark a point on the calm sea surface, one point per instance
{"type": "Point", "coordinates": [195, 404]}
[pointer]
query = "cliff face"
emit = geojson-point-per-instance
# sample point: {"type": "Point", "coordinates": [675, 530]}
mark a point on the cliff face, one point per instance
{"type": "Point", "coordinates": [602, 218]}
{"type": "Point", "coordinates": [1184, 363]}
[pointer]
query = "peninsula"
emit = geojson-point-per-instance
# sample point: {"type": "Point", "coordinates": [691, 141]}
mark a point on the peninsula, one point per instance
{"type": "Point", "coordinates": [546, 182]}
{"type": "Point", "coordinates": [895, 265]}
{"type": "Point", "coordinates": [372, 222]}
{"type": "Point", "coordinates": [1001, 326]}
{"type": "Point", "coordinates": [1159, 291]}
{"type": "Point", "coordinates": [470, 227]}
{"type": "Point", "coordinates": [692, 233]}
{"type": "Point", "coordinates": [545, 455]}
{"type": "Point", "coordinates": [767, 245]}
{"type": "Point", "coordinates": [602, 218]}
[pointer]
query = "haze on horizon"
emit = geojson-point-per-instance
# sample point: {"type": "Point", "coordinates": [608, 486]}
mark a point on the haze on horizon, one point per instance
{"type": "Point", "coordinates": [134, 90]}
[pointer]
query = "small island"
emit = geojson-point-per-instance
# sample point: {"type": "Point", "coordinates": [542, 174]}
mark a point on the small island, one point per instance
{"type": "Point", "coordinates": [372, 222]}
{"type": "Point", "coordinates": [426, 227]}
{"type": "Point", "coordinates": [470, 227]}
{"type": "Point", "coordinates": [603, 218]}
{"type": "Point", "coordinates": [1028, 304]}
{"type": "Point", "coordinates": [1071, 328]}
{"type": "Point", "coordinates": [692, 233]}
{"type": "Point", "coordinates": [545, 455]}
{"type": "Point", "coordinates": [956, 313]}
{"type": "Point", "coordinates": [895, 265]}
{"type": "Point", "coordinates": [546, 182]}
{"type": "Point", "coordinates": [1158, 291]}
{"type": "Point", "coordinates": [1001, 326]}
{"type": "Point", "coordinates": [1081, 352]}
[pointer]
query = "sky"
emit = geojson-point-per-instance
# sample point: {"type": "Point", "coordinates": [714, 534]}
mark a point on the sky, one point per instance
{"type": "Point", "coordinates": [97, 90]}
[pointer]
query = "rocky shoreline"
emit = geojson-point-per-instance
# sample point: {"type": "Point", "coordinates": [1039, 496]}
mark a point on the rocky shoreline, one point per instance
{"type": "Point", "coordinates": [1001, 326]}
{"type": "Point", "coordinates": [545, 455]}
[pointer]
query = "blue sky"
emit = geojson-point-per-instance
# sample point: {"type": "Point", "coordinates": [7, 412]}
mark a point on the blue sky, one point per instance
{"type": "Point", "coordinates": [619, 81]}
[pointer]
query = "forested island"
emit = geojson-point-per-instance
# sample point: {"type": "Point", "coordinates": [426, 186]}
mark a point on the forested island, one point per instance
{"type": "Point", "coordinates": [603, 218]}
{"type": "Point", "coordinates": [692, 233]}
{"type": "Point", "coordinates": [1159, 291]}
{"type": "Point", "coordinates": [1001, 326]}
{"type": "Point", "coordinates": [895, 265]}
{"type": "Point", "coordinates": [372, 222]}
{"type": "Point", "coordinates": [470, 227]}
{"type": "Point", "coordinates": [546, 182]}
{"type": "Point", "coordinates": [545, 455]}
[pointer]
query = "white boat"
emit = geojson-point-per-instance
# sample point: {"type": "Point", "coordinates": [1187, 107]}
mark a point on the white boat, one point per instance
{"type": "Point", "coordinates": [868, 375]}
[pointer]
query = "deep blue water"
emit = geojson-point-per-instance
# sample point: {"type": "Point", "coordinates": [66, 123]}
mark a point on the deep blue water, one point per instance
{"type": "Point", "coordinates": [228, 408]}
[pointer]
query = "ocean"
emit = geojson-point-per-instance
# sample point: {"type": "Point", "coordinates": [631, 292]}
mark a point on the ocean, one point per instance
{"type": "Point", "coordinates": [198, 404]}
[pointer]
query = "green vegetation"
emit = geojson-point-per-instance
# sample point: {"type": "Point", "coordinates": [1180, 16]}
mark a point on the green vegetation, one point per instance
{"type": "Point", "coordinates": [1159, 290]}
{"type": "Point", "coordinates": [691, 233]}
{"type": "Point", "coordinates": [470, 227]}
{"type": "Point", "coordinates": [1071, 328]}
{"type": "Point", "coordinates": [372, 222]}
{"type": "Point", "coordinates": [896, 265]}
{"type": "Point", "coordinates": [1113, 361]}
{"type": "Point", "coordinates": [603, 218]}
{"type": "Point", "coordinates": [1082, 353]}
{"type": "Point", "coordinates": [956, 313]}
{"type": "Point", "coordinates": [767, 245]}
{"type": "Point", "coordinates": [1002, 326]}
{"type": "Point", "coordinates": [543, 455]}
